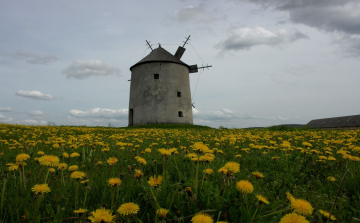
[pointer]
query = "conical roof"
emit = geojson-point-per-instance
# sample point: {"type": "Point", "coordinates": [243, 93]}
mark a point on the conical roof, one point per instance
{"type": "Point", "coordinates": [160, 55]}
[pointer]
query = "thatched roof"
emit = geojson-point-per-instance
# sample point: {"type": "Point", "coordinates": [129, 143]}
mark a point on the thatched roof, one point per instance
{"type": "Point", "coordinates": [336, 122]}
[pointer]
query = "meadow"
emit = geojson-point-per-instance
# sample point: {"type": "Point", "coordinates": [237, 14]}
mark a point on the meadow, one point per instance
{"type": "Point", "coordinates": [178, 174]}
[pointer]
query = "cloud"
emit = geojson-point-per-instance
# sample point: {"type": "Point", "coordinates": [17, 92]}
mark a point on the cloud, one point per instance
{"type": "Point", "coordinates": [349, 45]}
{"type": "Point", "coordinates": [81, 69]}
{"type": "Point", "coordinates": [193, 14]}
{"type": "Point", "coordinates": [29, 57]}
{"type": "Point", "coordinates": [7, 109]}
{"type": "Point", "coordinates": [104, 113]}
{"type": "Point", "coordinates": [4, 118]}
{"type": "Point", "coordinates": [35, 58]}
{"type": "Point", "coordinates": [334, 16]}
{"type": "Point", "coordinates": [34, 122]}
{"type": "Point", "coordinates": [36, 113]}
{"type": "Point", "coordinates": [37, 95]}
{"type": "Point", "coordinates": [227, 114]}
{"type": "Point", "coordinates": [246, 38]}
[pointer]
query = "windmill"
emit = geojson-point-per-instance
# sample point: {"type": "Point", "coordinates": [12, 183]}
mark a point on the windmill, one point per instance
{"type": "Point", "coordinates": [160, 88]}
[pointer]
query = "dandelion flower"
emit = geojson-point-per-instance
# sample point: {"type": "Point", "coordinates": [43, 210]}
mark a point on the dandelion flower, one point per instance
{"type": "Point", "coordinates": [233, 167]}
{"type": "Point", "coordinates": [73, 168]}
{"type": "Point", "coordinates": [22, 157]}
{"type": "Point", "coordinates": [208, 171]}
{"type": "Point", "coordinates": [12, 166]}
{"type": "Point", "coordinates": [290, 197]}
{"type": "Point", "coordinates": [257, 174]}
{"type": "Point", "coordinates": [112, 161]}
{"type": "Point", "coordinates": [245, 187]}
{"type": "Point", "coordinates": [128, 209]}
{"type": "Point", "coordinates": [52, 170]}
{"type": "Point", "coordinates": [62, 166]}
{"type": "Point", "coordinates": [332, 179]}
{"type": "Point", "coordinates": [74, 155]}
{"type": "Point", "coordinates": [66, 155]}
{"type": "Point", "coordinates": [40, 153]}
{"type": "Point", "coordinates": [262, 199]}
{"type": "Point", "coordinates": [162, 212]}
{"type": "Point", "coordinates": [80, 211]}
{"type": "Point", "coordinates": [327, 215]}
{"type": "Point", "coordinates": [202, 218]}
{"type": "Point", "coordinates": [223, 170]}
{"type": "Point", "coordinates": [114, 182]}
{"type": "Point", "coordinates": [155, 182]}
{"type": "Point", "coordinates": [101, 216]}
{"type": "Point", "coordinates": [77, 175]}
{"type": "Point", "coordinates": [49, 160]}
{"type": "Point", "coordinates": [138, 173]}
{"type": "Point", "coordinates": [302, 207]}
{"type": "Point", "coordinates": [41, 188]}
{"type": "Point", "coordinates": [293, 218]}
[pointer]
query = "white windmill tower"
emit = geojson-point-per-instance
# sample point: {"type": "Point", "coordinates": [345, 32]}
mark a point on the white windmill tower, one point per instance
{"type": "Point", "coordinates": [160, 89]}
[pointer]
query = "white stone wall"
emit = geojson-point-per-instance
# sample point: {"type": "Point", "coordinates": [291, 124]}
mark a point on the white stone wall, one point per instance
{"type": "Point", "coordinates": [156, 100]}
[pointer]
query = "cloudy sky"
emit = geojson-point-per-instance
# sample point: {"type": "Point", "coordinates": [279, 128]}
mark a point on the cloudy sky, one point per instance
{"type": "Point", "coordinates": [274, 61]}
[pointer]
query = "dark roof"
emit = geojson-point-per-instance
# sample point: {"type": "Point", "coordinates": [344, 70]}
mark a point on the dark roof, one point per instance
{"type": "Point", "coordinates": [336, 122]}
{"type": "Point", "coordinates": [160, 55]}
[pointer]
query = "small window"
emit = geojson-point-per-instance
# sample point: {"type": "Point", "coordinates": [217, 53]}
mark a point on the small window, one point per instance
{"type": "Point", "coordinates": [179, 94]}
{"type": "Point", "coordinates": [180, 114]}
{"type": "Point", "coordinates": [156, 76]}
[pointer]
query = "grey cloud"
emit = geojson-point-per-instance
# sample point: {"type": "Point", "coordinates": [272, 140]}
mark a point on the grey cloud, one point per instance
{"type": "Point", "coordinates": [37, 95]}
{"type": "Point", "coordinates": [100, 113]}
{"type": "Point", "coordinates": [335, 16]}
{"type": "Point", "coordinates": [4, 118]}
{"type": "Point", "coordinates": [81, 69]}
{"type": "Point", "coordinates": [193, 14]}
{"type": "Point", "coordinates": [246, 38]}
{"type": "Point", "coordinates": [35, 58]}
{"type": "Point", "coordinates": [228, 115]}
{"type": "Point", "coordinates": [29, 57]}
{"type": "Point", "coordinates": [7, 109]}
{"type": "Point", "coordinates": [36, 113]}
{"type": "Point", "coordinates": [350, 45]}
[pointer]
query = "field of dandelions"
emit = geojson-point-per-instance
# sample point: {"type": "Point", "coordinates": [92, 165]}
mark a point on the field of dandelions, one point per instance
{"type": "Point", "coordinates": [198, 175]}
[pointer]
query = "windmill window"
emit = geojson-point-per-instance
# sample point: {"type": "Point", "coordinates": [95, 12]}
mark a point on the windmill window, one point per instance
{"type": "Point", "coordinates": [179, 94]}
{"type": "Point", "coordinates": [180, 114]}
{"type": "Point", "coordinates": [156, 76]}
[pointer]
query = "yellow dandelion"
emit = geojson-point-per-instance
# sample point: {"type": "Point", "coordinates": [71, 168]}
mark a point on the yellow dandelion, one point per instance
{"type": "Point", "coordinates": [128, 209]}
{"type": "Point", "coordinates": [80, 211]}
{"type": "Point", "coordinates": [62, 166]}
{"type": "Point", "coordinates": [290, 197]}
{"type": "Point", "coordinates": [74, 155]}
{"type": "Point", "coordinates": [209, 171]}
{"type": "Point", "coordinates": [99, 163]}
{"type": "Point", "coordinates": [101, 216]}
{"type": "Point", "coordinates": [293, 218]}
{"type": "Point", "coordinates": [65, 155]}
{"type": "Point", "coordinates": [257, 174]}
{"type": "Point", "coordinates": [73, 168]}
{"type": "Point", "coordinates": [332, 179]}
{"type": "Point", "coordinates": [223, 170]}
{"type": "Point", "coordinates": [233, 167]}
{"type": "Point", "coordinates": [114, 182]}
{"type": "Point", "coordinates": [112, 161]}
{"type": "Point", "coordinates": [262, 199]}
{"type": "Point", "coordinates": [302, 207]}
{"type": "Point", "coordinates": [52, 170]}
{"type": "Point", "coordinates": [84, 181]}
{"type": "Point", "coordinates": [77, 175]}
{"type": "Point", "coordinates": [148, 150]}
{"type": "Point", "coordinates": [202, 218]}
{"type": "Point", "coordinates": [138, 173]}
{"type": "Point", "coordinates": [12, 166]}
{"type": "Point", "coordinates": [155, 182]}
{"type": "Point", "coordinates": [40, 153]}
{"type": "Point", "coordinates": [49, 160]}
{"type": "Point", "coordinates": [162, 212]}
{"type": "Point", "coordinates": [326, 215]}
{"type": "Point", "coordinates": [40, 188]}
{"type": "Point", "coordinates": [22, 157]}
{"type": "Point", "coordinates": [245, 187]}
